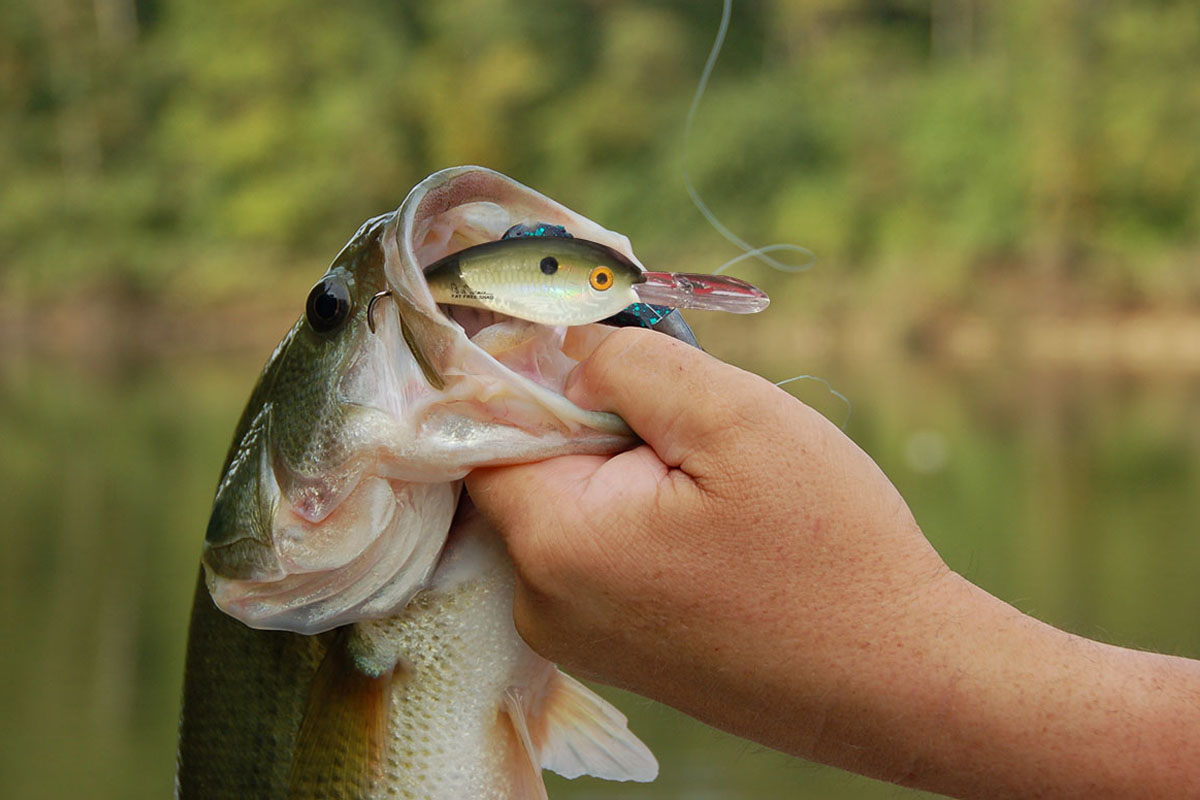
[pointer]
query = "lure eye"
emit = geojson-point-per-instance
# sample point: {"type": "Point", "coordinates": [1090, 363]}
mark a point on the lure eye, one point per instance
{"type": "Point", "coordinates": [328, 304]}
{"type": "Point", "coordinates": [601, 278]}
{"type": "Point", "coordinates": [549, 265]}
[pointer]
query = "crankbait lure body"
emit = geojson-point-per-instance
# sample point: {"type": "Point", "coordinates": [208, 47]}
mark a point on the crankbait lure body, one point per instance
{"type": "Point", "coordinates": [556, 279]}
{"type": "Point", "coordinates": [550, 280]}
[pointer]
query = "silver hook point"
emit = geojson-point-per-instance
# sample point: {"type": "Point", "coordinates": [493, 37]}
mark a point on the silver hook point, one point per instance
{"type": "Point", "coordinates": [371, 308]}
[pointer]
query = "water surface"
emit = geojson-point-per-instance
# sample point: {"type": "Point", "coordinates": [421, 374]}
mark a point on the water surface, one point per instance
{"type": "Point", "coordinates": [1070, 495]}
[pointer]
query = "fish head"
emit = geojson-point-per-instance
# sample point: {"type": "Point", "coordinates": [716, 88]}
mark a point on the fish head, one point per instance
{"type": "Point", "coordinates": [343, 478]}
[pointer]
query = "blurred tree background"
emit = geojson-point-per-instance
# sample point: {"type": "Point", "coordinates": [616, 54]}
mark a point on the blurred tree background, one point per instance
{"type": "Point", "coordinates": [1003, 196]}
{"type": "Point", "coordinates": [954, 150]}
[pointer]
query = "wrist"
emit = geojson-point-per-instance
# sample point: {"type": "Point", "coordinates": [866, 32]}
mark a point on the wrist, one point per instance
{"type": "Point", "coordinates": [901, 681]}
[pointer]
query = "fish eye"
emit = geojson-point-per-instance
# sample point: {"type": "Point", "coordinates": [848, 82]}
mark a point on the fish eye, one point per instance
{"type": "Point", "coordinates": [549, 265]}
{"type": "Point", "coordinates": [601, 278]}
{"type": "Point", "coordinates": [328, 304]}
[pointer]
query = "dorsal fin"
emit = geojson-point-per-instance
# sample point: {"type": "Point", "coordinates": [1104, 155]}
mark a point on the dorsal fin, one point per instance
{"type": "Point", "coordinates": [342, 741]}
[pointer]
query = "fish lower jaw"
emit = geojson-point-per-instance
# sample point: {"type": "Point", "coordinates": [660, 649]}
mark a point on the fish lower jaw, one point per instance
{"type": "Point", "coordinates": [396, 551]}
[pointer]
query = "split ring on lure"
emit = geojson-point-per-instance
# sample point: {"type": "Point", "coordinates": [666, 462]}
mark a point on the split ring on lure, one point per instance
{"type": "Point", "coordinates": [555, 280]}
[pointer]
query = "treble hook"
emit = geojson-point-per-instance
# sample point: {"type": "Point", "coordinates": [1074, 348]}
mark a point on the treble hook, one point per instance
{"type": "Point", "coordinates": [371, 308]}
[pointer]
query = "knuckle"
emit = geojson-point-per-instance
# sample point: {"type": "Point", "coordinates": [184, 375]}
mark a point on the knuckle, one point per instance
{"type": "Point", "coordinates": [625, 346]}
{"type": "Point", "coordinates": [534, 617]}
{"type": "Point", "coordinates": [618, 342]}
{"type": "Point", "coordinates": [540, 564]}
{"type": "Point", "coordinates": [526, 618]}
{"type": "Point", "coordinates": [598, 369]}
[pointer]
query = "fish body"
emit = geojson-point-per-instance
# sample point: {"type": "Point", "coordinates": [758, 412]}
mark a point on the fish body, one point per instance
{"type": "Point", "coordinates": [352, 632]}
{"type": "Point", "coordinates": [549, 280]}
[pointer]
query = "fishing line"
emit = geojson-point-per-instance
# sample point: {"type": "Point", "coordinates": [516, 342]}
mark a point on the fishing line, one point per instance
{"type": "Point", "coordinates": [832, 391]}
{"type": "Point", "coordinates": [758, 253]}
{"type": "Point", "coordinates": [749, 250]}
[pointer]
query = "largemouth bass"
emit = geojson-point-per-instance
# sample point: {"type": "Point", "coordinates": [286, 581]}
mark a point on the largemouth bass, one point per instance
{"type": "Point", "coordinates": [352, 633]}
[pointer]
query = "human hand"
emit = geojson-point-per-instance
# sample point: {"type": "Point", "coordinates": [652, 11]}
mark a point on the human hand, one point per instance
{"type": "Point", "coordinates": [746, 543]}
{"type": "Point", "coordinates": [751, 566]}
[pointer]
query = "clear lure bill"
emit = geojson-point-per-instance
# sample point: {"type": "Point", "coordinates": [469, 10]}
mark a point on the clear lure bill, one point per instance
{"type": "Point", "coordinates": [561, 280]}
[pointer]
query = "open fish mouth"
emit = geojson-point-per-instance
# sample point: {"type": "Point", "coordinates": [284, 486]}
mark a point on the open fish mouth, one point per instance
{"type": "Point", "coordinates": [464, 206]}
{"type": "Point", "coordinates": [341, 487]}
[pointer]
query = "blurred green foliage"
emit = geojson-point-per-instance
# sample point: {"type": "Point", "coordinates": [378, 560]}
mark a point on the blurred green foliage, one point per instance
{"type": "Point", "coordinates": [171, 146]}
{"type": "Point", "coordinates": [180, 151]}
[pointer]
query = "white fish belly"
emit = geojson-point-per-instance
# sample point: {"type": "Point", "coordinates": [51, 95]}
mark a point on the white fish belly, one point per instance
{"type": "Point", "coordinates": [457, 653]}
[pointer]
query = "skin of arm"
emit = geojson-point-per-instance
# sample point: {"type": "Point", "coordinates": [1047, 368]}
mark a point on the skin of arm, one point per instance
{"type": "Point", "coordinates": [751, 566]}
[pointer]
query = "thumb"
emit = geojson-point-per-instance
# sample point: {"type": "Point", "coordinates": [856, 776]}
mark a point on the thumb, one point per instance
{"type": "Point", "coordinates": [688, 406]}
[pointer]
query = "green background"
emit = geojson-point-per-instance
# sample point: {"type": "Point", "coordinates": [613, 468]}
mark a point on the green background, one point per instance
{"type": "Point", "coordinates": [1004, 198]}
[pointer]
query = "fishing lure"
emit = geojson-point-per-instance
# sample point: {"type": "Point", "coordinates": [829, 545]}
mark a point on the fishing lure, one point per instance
{"type": "Point", "coordinates": [638, 315]}
{"type": "Point", "coordinates": [543, 274]}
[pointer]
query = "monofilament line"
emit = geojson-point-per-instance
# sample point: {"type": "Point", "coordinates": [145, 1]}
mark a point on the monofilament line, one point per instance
{"type": "Point", "coordinates": [832, 391]}
{"type": "Point", "coordinates": [750, 251]}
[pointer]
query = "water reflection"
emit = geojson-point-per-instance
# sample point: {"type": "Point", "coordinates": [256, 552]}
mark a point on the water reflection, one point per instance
{"type": "Point", "coordinates": [1068, 495]}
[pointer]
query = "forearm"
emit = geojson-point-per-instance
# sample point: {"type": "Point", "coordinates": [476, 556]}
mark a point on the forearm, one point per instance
{"type": "Point", "coordinates": [1021, 709]}
{"type": "Point", "coordinates": [975, 699]}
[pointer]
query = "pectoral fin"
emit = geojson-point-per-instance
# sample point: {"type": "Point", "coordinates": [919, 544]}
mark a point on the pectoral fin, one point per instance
{"type": "Point", "coordinates": [342, 741]}
{"type": "Point", "coordinates": [522, 766]}
{"type": "Point", "coordinates": [573, 731]}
